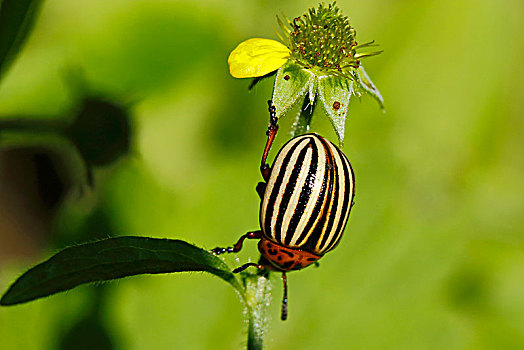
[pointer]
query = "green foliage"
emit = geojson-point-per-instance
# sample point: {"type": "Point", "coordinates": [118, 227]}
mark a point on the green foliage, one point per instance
{"type": "Point", "coordinates": [17, 18]}
{"type": "Point", "coordinates": [110, 259]}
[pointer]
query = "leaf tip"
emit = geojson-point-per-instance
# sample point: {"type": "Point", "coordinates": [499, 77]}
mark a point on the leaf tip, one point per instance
{"type": "Point", "coordinates": [7, 300]}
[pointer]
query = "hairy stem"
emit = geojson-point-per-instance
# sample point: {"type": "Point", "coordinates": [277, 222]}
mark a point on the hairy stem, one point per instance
{"type": "Point", "coordinates": [258, 299]}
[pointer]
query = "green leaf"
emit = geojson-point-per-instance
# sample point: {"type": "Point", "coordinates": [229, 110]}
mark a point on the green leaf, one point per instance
{"type": "Point", "coordinates": [292, 83]}
{"type": "Point", "coordinates": [17, 18]}
{"type": "Point", "coordinates": [113, 258]}
{"type": "Point", "coordinates": [334, 93]}
{"type": "Point", "coordinates": [367, 85]}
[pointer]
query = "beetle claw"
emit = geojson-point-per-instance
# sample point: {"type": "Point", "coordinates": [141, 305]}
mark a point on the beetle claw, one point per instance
{"type": "Point", "coordinates": [219, 250]}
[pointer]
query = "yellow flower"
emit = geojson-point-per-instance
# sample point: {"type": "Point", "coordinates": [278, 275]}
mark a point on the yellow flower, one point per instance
{"type": "Point", "coordinates": [257, 57]}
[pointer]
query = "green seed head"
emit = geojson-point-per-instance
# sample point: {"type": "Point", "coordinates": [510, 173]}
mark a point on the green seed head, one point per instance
{"type": "Point", "coordinates": [323, 39]}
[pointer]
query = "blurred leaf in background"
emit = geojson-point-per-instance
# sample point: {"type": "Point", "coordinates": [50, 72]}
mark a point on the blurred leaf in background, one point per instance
{"type": "Point", "coordinates": [433, 256]}
{"type": "Point", "coordinates": [17, 18]}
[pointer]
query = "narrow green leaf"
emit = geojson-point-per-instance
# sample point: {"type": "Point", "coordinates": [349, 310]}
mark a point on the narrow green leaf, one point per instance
{"type": "Point", "coordinates": [367, 85]}
{"type": "Point", "coordinates": [17, 18]}
{"type": "Point", "coordinates": [292, 83]}
{"type": "Point", "coordinates": [334, 93]}
{"type": "Point", "coordinates": [113, 258]}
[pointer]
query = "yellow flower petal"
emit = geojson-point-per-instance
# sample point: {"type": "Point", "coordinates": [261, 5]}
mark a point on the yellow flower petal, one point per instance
{"type": "Point", "coordinates": [257, 57]}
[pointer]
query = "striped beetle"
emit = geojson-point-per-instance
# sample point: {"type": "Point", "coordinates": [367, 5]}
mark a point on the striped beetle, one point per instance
{"type": "Point", "coordinates": [305, 203]}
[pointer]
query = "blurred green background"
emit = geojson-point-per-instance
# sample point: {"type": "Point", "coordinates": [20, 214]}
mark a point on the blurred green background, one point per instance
{"type": "Point", "coordinates": [433, 256]}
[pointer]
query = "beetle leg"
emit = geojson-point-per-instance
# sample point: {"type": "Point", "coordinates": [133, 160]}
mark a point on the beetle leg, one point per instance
{"type": "Point", "coordinates": [261, 188]}
{"type": "Point", "coordinates": [283, 315]}
{"type": "Point", "coordinates": [238, 245]}
{"type": "Point", "coordinates": [271, 133]}
{"type": "Point", "coordinates": [245, 266]}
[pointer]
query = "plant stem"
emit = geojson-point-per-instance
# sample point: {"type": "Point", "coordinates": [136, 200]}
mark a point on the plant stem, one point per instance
{"type": "Point", "coordinates": [33, 124]}
{"type": "Point", "coordinates": [258, 299]}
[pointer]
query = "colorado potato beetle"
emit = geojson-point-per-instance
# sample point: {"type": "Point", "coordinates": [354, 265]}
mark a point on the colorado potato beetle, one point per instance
{"type": "Point", "coordinates": [305, 204]}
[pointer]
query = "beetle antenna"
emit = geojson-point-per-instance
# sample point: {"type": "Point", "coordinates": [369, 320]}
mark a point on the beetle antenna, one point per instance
{"type": "Point", "coordinates": [283, 315]}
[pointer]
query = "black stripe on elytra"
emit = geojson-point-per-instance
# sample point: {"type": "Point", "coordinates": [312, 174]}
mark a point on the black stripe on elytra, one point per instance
{"type": "Point", "coordinates": [334, 209]}
{"type": "Point", "coordinates": [316, 235]}
{"type": "Point", "coordinates": [305, 194]}
{"type": "Point", "coordinates": [274, 193]}
{"type": "Point", "coordinates": [290, 188]}
{"type": "Point", "coordinates": [318, 210]}
{"type": "Point", "coordinates": [349, 184]}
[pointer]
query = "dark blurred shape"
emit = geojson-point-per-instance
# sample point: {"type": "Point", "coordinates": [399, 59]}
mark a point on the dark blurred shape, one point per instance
{"type": "Point", "coordinates": [467, 289]}
{"type": "Point", "coordinates": [101, 131]}
{"type": "Point", "coordinates": [34, 180]}
{"type": "Point", "coordinates": [51, 185]}
{"type": "Point", "coordinates": [87, 334]}
{"type": "Point", "coordinates": [90, 332]}
{"type": "Point", "coordinates": [44, 181]}
{"type": "Point", "coordinates": [32, 184]}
